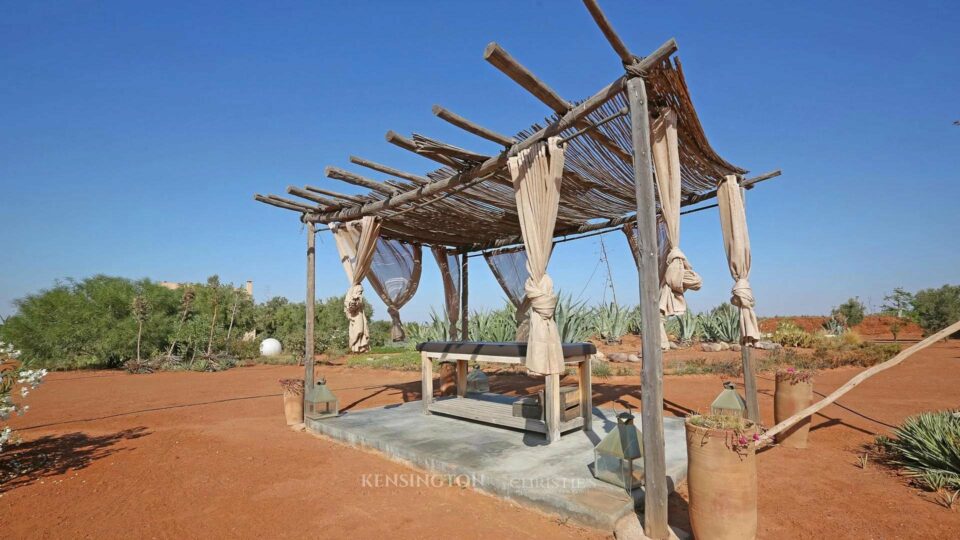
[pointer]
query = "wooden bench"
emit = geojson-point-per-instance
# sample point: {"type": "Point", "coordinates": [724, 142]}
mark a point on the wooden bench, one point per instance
{"type": "Point", "coordinates": [498, 410]}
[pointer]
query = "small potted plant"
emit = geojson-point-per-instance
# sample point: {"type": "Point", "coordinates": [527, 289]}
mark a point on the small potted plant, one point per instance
{"type": "Point", "coordinates": [722, 476]}
{"type": "Point", "coordinates": [794, 392]}
{"type": "Point", "coordinates": [292, 400]}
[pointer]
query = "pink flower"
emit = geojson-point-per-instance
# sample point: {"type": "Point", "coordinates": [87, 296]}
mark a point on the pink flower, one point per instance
{"type": "Point", "coordinates": [756, 437]}
{"type": "Point", "coordinates": [791, 370]}
{"type": "Point", "coordinates": [743, 440]}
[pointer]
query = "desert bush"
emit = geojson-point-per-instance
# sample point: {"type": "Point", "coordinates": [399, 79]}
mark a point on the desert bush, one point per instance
{"type": "Point", "coordinates": [13, 373]}
{"type": "Point", "coordinates": [600, 369]}
{"type": "Point", "coordinates": [926, 447]}
{"type": "Point", "coordinates": [437, 329]}
{"type": "Point", "coordinates": [789, 334]}
{"type": "Point", "coordinates": [935, 309]}
{"type": "Point", "coordinates": [852, 311]}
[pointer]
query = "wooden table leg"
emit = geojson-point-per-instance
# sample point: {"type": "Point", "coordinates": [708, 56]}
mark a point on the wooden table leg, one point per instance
{"type": "Point", "coordinates": [426, 374]}
{"type": "Point", "coordinates": [586, 393]}
{"type": "Point", "coordinates": [551, 415]}
{"type": "Point", "coordinates": [461, 378]}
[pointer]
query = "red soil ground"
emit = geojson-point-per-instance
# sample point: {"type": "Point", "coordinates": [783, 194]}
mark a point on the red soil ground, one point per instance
{"type": "Point", "coordinates": [176, 455]}
{"type": "Point", "coordinates": [872, 327]}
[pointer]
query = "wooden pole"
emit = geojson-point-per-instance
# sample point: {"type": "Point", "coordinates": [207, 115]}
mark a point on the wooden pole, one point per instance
{"type": "Point", "coordinates": [464, 298]}
{"type": "Point", "coordinates": [608, 32]}
{"type": "Point", "coordinates": [749, 377]}
{"type": "Point", "coordinates": [768, 437]}
{"type": "Point", "coordinates": [308, 342]}
{"type": "Point", "coordinates": [472, 127]}
{"type": "Point", "coordinates": [651, 385]}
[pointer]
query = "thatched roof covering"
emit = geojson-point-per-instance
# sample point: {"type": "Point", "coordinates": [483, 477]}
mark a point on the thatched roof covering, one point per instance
{"type": "Point", "coordinates": [469, 203]}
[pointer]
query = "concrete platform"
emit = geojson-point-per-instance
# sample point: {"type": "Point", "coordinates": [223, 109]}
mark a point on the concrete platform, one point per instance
{"type": "Point", "coordinates": [512, 464]}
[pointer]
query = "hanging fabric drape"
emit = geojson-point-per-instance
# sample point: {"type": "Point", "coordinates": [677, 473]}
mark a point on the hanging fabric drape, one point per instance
{"type": "Point", "coordinates": [395, 275]}
{"type": "Point", "coordinates": [736, 242]}
{"type": "Point", "coordinates": [630, 231]}
{"type": "Point", "coordinates": [449, 262]}
{"type": "Point", "coordinates": [676, 274]}
{"type": "Point", "coordinates": [537, 173]}
{"type": "Point", "coordinates": [510, 269]}
{"type": "Point", "coordinates": [356, 243]}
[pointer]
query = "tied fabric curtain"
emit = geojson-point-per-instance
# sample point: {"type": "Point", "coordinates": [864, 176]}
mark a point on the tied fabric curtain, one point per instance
{"type": "Point", "coordinates": [676, 274]}
{"type": "Point", "coordinates": [510, 269]}
{"type": "Point", "coordinates": [736, 242]}
{"type": "Point", "coordinates": [395, 275]}
{"type": "Point", "coordinates": [537, 173]}
{"type": "Point", "coordinates": [449, 262]}
{"type": "Point", "coordinates": [356, 243]}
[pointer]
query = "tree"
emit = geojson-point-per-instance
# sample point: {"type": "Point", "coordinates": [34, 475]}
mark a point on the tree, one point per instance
{"type": "Point", "coordinates": [186, 302]}
{"type": "Point", "coordinates": [897, 303]}
{"type": "Point", "coordinates": [140, 309]}
{"type": "Point", "coordinates": [852, 311]}
{"type": "Point", "coordinates": [213, 283]}
{"type": "Point", "coordinates": [936, 309]}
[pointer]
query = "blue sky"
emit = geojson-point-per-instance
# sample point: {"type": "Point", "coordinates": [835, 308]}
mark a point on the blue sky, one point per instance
{"type": "Point", "coordinates": [132, 136]}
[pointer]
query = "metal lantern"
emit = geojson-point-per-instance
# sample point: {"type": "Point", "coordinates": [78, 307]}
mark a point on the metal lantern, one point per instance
{"type": "Point", "coordinates": [729, 402]}
{"type": "Point", "coordinates": [618, 459]}
{"type": "Point", "coordinates": [319, 402]}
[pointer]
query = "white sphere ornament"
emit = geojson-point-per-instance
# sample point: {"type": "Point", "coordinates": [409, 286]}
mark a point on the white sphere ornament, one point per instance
{"type": "Point", "coordinates": [270, 347]}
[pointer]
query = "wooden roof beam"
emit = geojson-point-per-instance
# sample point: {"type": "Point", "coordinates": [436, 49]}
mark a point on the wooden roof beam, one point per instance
{"type": "Point", "coordinates": [348, 198]}
{"type": "Point", "coordinates": [407, 144]}
{"type": "Point", "coordinates": [618, 45]}
{"type": "Point", "coordinates": [330, 204]}
{"type": "Point", "coordinates": [286, 204]}
{"type": "Point", "coordinates": [470, 127]}
{"type": "Point", "coordinates": [502, 60]}
{"type": "Point", "coordinates": [357, 180]}
{"type": "Point", "coordinates": [389, 170]}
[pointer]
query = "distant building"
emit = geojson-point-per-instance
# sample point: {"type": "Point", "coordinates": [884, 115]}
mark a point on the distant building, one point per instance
{"type": "Point", "coordinates": [173, 285]}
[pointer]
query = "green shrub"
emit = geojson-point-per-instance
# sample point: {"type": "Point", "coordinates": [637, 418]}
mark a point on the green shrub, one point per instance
{"type": "Point", "coordinates": [852, 311]}
{"type": "Point", "coordinates": [494, 325]}
{"type": "Point", "coordinates": [927, 447]}
{"type": "Point", "coordinates": [789, 334]}
{"type": "Point", "coordinates": [600, 369]}
{"type": "Point", "coordinates": [935, 309]}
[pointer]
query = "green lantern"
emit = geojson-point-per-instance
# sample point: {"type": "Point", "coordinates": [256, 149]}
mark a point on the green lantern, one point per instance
{"type": "Point", "coordinates": [729, 402]}
{"type": "Point", "coordinates": [319, 402]}
{"type": "Point", "coordinates": [618, 459]}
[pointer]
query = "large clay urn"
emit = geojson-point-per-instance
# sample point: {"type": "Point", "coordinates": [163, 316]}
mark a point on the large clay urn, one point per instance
{"type": "Point", "coordinates": [292, 400]}
{"type": "Point", "coordinates": [794, 392]}
{"type": "Point", "coordinates": [722, 480]}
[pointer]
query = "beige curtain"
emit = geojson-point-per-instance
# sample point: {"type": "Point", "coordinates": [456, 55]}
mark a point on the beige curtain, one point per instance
{"type": "Point", "coordinates": [736, 241]}
{"type": "Point", "coordinates": [356, 242]}
{"type": "Point", "coordinates": [676, 274]}
{"type": "Point", "coordinates": [395, 275]}
{"type": "Point", "coordinates": [449, 262]}
{"type": "Point", "coordinates": [537, 173]}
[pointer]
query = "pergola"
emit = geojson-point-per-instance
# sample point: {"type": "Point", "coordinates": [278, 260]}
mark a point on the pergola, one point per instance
{"type": "Point", "coordinates": [627, 158]}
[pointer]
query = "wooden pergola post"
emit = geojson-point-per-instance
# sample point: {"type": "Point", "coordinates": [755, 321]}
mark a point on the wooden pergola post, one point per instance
{"type": "Point", "coordinates": [464, 296]}
{"type": "Point", "coordinates": [651, 385]}
{"type": "Point", "coordinates": [308, 338]}
{"type": "Point", "coordinates": [749, 377]}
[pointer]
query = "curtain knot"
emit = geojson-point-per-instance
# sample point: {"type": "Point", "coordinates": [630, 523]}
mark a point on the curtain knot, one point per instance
{"type": "Point", "coordinates": [678, 277]}
{"type": "Point", "coordinates": [742, 294]}
{"type": "Point", "coordinates": [541, 297]}
{"type": "Point", "coordinates": [353, 301]}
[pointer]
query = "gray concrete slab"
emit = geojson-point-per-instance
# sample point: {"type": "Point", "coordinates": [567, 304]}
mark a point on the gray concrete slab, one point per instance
{"type": "Point", "coordinates": [519, 466]}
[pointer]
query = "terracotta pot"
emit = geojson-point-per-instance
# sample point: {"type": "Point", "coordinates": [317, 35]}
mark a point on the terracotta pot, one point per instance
{"type": "Point", "coordinates": [722, 483]}
{"type": "Point", "coordinates": [790, 398]}
{"type": "Point", "coordinates": [293, 407]}
{"type": "Point", "coordinates": [448, 379]}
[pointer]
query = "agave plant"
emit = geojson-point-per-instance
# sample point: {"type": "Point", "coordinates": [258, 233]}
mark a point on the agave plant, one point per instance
{"type": "Point", "coordinates": [835, 325]}
{"type": "Point", "coordinates": [438, 329]}
{"type": "Point", "coordinates": [926, 447]}
{"type": "Point", "coordinates": [573, 320]}
{"type": "Point", "coordinates": [496, 325]}
{"type": "Point", "coordinates": [687, 327]}
{"type": "Point", "coordinates": [611, 322]}
{"type": "Point", "coordinates": [721, 324]}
